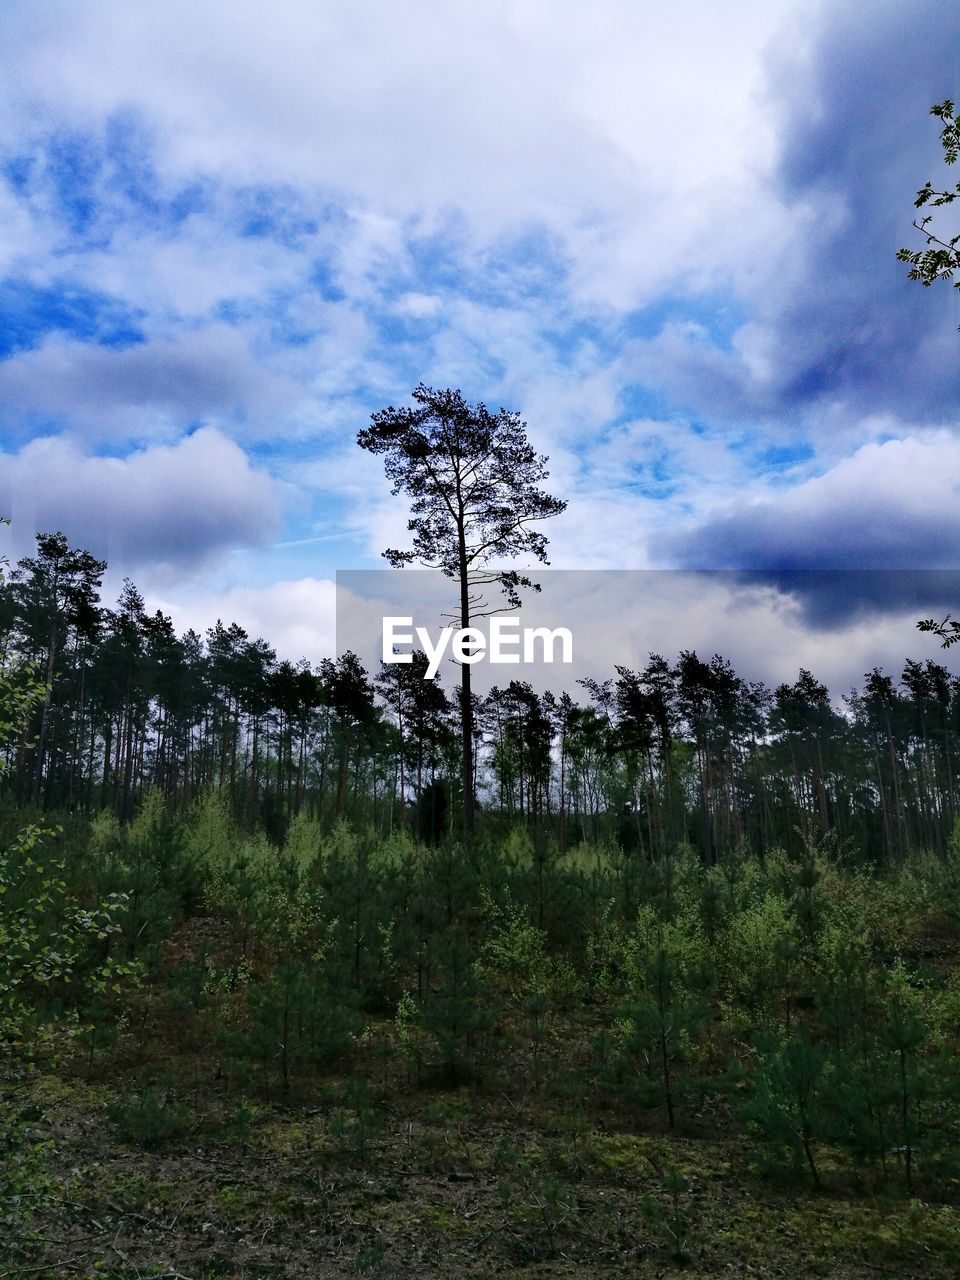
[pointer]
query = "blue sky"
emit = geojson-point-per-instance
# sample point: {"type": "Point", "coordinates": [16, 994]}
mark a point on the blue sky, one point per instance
{"type": "Point", "coordinates": [228, 235]}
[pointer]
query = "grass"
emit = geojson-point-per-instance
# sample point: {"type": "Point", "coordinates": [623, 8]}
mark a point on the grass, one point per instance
{"type": "Point", "coordinates": [457, 1185]}
{"type": "Point", "coordinates": [535, 1148]}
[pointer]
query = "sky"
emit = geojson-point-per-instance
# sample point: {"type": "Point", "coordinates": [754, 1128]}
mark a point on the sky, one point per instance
{"type": "Point", "coordinates": [666, 235]}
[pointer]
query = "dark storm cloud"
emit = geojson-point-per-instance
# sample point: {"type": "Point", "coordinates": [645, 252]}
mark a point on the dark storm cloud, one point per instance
{"type": "Point", "coordinates": [833, 599]}
{"type": "Point", "coordinates": [840, 340]}
{"type": "Point", "coordinates": [857, 142]}
{"type": "Point", "coordinates": [854, 540]}
{"type": "Point", "coordinates": [836, 326]}
{"type": "Point", "coordinates": [861, 514]}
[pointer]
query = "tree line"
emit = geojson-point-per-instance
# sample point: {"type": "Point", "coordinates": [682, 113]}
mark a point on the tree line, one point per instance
{"type": "Point", "coordinates": [681, 751]}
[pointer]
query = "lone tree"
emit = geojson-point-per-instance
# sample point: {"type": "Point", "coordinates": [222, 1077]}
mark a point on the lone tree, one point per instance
{"type": "Point", "coordinates": [472, 477]}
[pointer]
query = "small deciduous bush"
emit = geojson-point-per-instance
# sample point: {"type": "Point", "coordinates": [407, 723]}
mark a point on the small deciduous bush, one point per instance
{"type": "Point", "coordinates": [52, 947]}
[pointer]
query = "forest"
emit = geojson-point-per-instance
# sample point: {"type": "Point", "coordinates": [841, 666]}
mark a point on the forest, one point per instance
{"type": "Point", "coordinates": [684, 751]}
{"type": "Point", "coordinates": [685, 1000]}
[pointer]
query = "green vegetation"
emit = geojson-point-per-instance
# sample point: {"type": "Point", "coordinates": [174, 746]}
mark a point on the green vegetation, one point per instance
{"type": "Point", "coordinates": [687, 1002]}
{"type": "Point", "coordinates": [385, 1057]}
{"type": "Point", "coordinates": [674, 754]}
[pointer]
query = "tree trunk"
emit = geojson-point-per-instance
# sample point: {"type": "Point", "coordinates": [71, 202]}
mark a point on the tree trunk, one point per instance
{"type": "Point", "coordinates": [47, 700]}
{"type": "Point", "coordinates": [466, 702]}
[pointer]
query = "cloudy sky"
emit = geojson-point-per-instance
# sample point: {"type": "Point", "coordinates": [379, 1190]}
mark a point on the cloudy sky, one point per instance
{"type": "Point", "coordinates": [666, 234]}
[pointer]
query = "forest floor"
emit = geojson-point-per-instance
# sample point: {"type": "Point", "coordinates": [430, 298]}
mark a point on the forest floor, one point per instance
{"type": "Point", "coordinates": [442, 1184]}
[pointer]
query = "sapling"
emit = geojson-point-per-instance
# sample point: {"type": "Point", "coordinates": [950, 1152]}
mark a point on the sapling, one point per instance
{"type": "Point", "coordinates": [904, 1030]}
{"type": "Point", "coordinates": [760, 956]}
{"type": "Point", "coordinates": [665, 1006]}
{"type": "Point", "coordinates": [156, 874]}
{"type": "Point", "coordinates": [847, 998]}
{"type": "Point", "coordinates": [670, 1215]}
{"type": "Point", "coordinates": [409, 1034]}
{"type": "Point", "coordinates": [356, 1118]}
{"type": "Point", "coordinates": [350, 882]}
{"type": "Point", "coordinates": [457, 1012]}
{"type": "Point", "coordinates": [538, 1204]}
{"type": "Point", "coordinates": [51, 946]}
{"type": "Point", "coordinates": [297, 1018]}
{"type": "Point", "coordinates": [784, 1107]}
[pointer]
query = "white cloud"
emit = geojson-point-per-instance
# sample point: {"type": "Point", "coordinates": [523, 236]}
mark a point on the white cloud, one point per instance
{"type": "Point", "coordinates": [155, 388]}
{"type": "Point", "coordinates": [170, 508]}
{"type": "Point", "coordinates": [419, 306]}
{"type": "Point", "coordinates": [607, 122]}
{"type": "Point", "coordinates": [296, 617]}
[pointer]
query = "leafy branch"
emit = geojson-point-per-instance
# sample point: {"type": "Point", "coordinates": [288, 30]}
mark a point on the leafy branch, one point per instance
{"type": "Point", "coordinates": [941, 257]}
